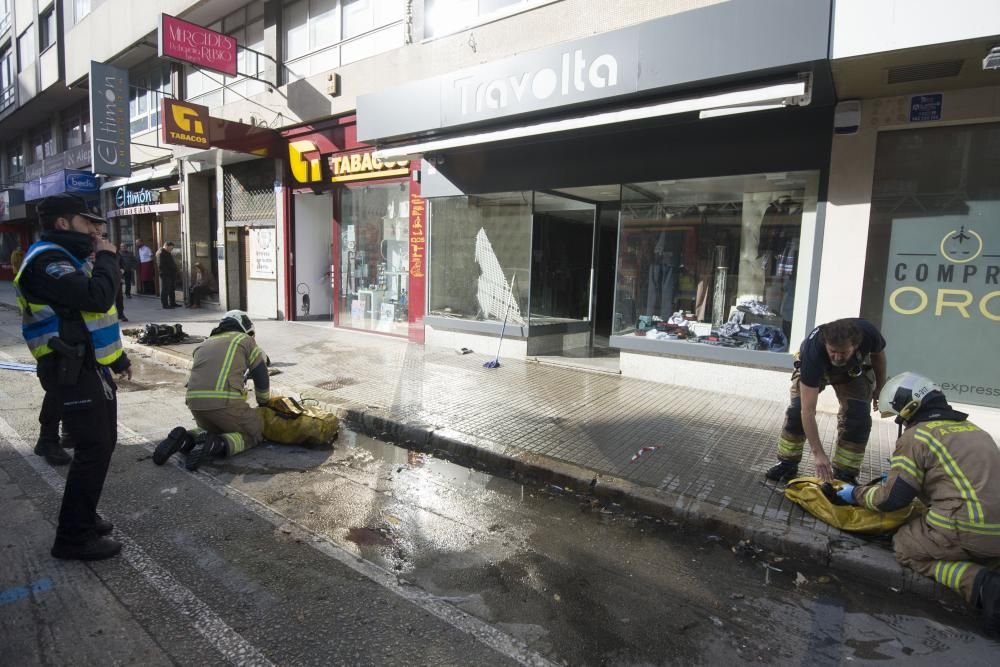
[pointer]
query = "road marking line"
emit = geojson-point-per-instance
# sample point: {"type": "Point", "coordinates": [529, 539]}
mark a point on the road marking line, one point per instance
{"type": "Point", "coordinates": [227, 641]}
{"type": "Point", "coordinates": [485, 633]}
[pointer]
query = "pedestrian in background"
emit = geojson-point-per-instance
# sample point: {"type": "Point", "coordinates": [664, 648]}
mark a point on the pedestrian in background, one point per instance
{"type": "Point", "coordinates": [146, 269]}
{"type": "Point", "coordinates": [129, 265]}
{"type": "Point", "coordinates": [120, 295]}
{"type": "Point", "coordinates": [16, 257]}
{"type": "Point", "coordinates": [168, 275]}
{"type": "Point", "coordinates": [202, 284]}
{"type": "Point", "coordinates": [848, 355]}
{"type": "Point", "coordinates": [69, 323]}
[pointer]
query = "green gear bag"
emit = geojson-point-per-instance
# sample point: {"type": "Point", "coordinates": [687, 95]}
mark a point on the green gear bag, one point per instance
{"type": "Point", "coordinates": [806, 491]}
{"type": "Point", "coordinates": [289, 422]}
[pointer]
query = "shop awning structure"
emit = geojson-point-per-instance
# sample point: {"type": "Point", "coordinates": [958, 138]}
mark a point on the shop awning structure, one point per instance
{"type": "Point", "coordinates": [746, 100]}
{"type": "Point", "coordinates": [143, 175]}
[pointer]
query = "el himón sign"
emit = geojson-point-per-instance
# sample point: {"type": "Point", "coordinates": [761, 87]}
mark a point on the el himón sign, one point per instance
{"type": "Point", "coordinates": [110, 134]}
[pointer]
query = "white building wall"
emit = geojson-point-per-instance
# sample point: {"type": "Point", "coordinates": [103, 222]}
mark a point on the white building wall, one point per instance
{"type": "Point", "coordinates": [871, 26]}
{"type": "Point", "coordinates": [111, 28]}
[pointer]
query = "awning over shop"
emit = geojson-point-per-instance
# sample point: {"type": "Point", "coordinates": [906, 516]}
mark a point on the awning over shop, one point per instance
{"type": "Point", "coordinates": [772, 96]}
{"type": "Point", "coordinates": [158, 172]}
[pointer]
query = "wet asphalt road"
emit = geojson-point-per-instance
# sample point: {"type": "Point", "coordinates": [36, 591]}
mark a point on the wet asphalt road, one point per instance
{"type": "Point", "coordinates": [369, 554]}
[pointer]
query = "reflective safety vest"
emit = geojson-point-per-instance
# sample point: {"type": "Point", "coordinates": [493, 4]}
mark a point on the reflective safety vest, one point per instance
{"type": "Point", "coordinates": [39, 322]}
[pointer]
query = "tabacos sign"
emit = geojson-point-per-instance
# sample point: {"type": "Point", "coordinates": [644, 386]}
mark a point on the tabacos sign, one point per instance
{"type": "Point", "coordinates": [184, 124]}
{"type": "Point", "coordinates": [191, 43]}
{"type": "Point", "coordinates": [307, 165]}
{"type": "Point", "coordinates": [946, 271]}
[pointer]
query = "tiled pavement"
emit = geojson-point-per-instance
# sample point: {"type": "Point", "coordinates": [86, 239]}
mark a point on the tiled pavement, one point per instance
{"type": "Point", "coordinates": [712, 447]}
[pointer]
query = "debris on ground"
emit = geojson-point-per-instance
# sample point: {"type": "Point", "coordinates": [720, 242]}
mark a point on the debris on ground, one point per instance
{"type": "Point", "coordinates": [643, 450]}
{"type": "Point", "coordinates": [747, 549]}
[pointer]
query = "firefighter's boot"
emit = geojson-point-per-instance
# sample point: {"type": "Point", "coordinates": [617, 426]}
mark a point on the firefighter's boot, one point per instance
{"type": "Point", "coordinates": [987, 588]}
{"type": "Point", "coordinates": [176, 441]}
{"type": "Point", "coordinates": [784, 471]}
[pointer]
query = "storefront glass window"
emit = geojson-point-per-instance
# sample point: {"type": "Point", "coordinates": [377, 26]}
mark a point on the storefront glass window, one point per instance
{"type": "Point", "coordinates": [712, 261]}
{"type": "Point", "coordinates": [561, 257]}
{"type": "Point", "coordinates": [375, 260]}
{"type": "Point", "coordinates": [478, 244]}
{"type": "Point", "coordinates": [932, 273]}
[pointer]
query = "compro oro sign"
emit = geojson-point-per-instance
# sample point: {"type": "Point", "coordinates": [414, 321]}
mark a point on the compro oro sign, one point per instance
{"type": "Point", "coordinates": [941, 313]}
{"type": "Point", "coordinates": [184, 124]}
{"type": "Point", "coordinates": [190, 43]}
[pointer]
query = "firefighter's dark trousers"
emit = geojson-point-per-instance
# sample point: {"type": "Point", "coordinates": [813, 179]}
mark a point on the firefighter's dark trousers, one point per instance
{"type": "Point", "coordinates": [854, 422]}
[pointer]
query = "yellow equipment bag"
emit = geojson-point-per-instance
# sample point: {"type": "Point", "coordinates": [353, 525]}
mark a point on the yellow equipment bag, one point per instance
{"type": "Point", "coordinates": [288, 422]}
{"type": "Point", "coordinates": [806, 491]}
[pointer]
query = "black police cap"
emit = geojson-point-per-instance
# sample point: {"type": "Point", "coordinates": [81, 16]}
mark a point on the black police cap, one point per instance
{"type": "Point", "coordinates": [68, 205]}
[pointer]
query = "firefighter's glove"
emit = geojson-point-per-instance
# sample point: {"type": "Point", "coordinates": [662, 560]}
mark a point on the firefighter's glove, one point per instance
{"type": "Point", "coordinates": [846, 493]}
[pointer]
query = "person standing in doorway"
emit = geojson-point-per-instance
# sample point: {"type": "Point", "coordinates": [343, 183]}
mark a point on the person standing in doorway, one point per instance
{"type": "Point", "coordinates": [168, 274]}
{"type": "Point", "coordinates": [129, 264]}
{"type": "Point", "coordinates": [146, 270]}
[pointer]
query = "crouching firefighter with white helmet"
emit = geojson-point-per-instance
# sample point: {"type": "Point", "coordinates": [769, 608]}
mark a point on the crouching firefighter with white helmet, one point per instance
{"type": "Point", "coordinates": [216, 396]}
{"type": "Point", "coordinates": [953, 467]}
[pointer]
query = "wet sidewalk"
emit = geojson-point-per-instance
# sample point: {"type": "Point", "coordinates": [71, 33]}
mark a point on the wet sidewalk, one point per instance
{"type": "Point", "coordinates": [576, 429]}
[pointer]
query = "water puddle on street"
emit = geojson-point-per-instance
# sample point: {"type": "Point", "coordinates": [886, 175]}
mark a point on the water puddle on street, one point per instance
{"type": "Point", "coordinates": [584, 579]}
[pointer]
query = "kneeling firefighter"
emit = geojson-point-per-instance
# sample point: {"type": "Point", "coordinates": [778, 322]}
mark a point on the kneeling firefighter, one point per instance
{"type": "Point", "coordinates": [952, 466]}
{"type": "Point", "coordinates": [216, 396]}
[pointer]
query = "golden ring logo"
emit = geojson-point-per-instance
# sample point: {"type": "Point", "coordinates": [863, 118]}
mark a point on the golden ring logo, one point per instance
{"type": "Point", "coordinates": [961, 246]}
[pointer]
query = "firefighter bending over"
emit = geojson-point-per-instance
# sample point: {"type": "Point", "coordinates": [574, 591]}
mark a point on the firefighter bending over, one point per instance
{"type": "Point", "coordinates": [952, 466]}
{"type": "Point", "coordinates": [216, 395]}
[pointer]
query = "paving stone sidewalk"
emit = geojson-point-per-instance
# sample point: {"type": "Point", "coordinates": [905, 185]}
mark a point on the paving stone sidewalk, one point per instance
{"type": "Point", "coordinates": [712, 447]}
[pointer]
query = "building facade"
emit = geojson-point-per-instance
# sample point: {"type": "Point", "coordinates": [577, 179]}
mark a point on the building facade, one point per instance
{"type": "Point", "coordinates": [677, 191]}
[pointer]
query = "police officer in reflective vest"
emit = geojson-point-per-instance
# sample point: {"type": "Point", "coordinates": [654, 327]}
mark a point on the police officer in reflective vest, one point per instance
{"type": "Point", "coordinates": [67, 304]}
{"type": "Point", "coordinates": [849, 355]}
{"type": "Point", "coordinates": [952, 466]}
{"type": "Point", "coordinates": [216, 396]}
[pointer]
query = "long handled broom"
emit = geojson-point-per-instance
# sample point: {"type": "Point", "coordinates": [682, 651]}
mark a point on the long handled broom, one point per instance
{"type": "Point", "coordinates": [495, 363]}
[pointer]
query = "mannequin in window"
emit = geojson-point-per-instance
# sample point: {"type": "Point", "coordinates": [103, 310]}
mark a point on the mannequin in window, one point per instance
{"type": "Point", "coordinates": [662, 280]}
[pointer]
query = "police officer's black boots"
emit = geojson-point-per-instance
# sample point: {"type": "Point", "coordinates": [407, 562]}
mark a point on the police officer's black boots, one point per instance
{"type": "Point", "coordinates": [215, 445]}
{"type": "Point", "coordinates": [97, 548]}
{"type": "Point", "coordinates": [784, 471]}
{"type": "Point", "coordinates": [52, 451]}
{"type": "Point", "coordinates": [178, 440]}
{"type": "Point", "coordinates": [987, 587]}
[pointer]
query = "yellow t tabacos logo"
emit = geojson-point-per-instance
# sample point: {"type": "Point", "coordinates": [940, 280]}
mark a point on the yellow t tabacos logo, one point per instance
{"type": "Point", "coordinates": [183, 117]}
{"type": "Point", "coordinates": [305, 170]}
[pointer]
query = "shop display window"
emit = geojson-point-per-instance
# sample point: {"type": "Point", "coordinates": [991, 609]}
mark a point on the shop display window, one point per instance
{"type": "Point", "coordinates": [375, 257]}
{"type": "Point", "coordinates": [478, 244]}
{"type": "Point", "coordinates": [712, 261]}
{"type": "Point", "coordinates": [561, 257]}
{"type": "Point", "coordinates": [932, 269]}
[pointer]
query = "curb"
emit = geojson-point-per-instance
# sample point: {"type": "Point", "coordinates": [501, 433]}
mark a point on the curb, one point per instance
{"type": "Point", "coordinates": [839, 552]}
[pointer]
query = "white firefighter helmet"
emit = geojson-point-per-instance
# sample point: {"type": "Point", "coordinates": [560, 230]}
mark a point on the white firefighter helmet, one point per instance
{"type": "Point", "coordinates": [903, 394]}
{"type": "Point", "coordinates": [242, 320]}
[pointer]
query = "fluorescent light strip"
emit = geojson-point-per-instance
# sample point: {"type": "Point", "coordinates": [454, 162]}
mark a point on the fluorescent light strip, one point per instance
{"type": "Point", "coordinates": [771, 94]}
{"type": "Point", "coordinates": [730, 111]}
